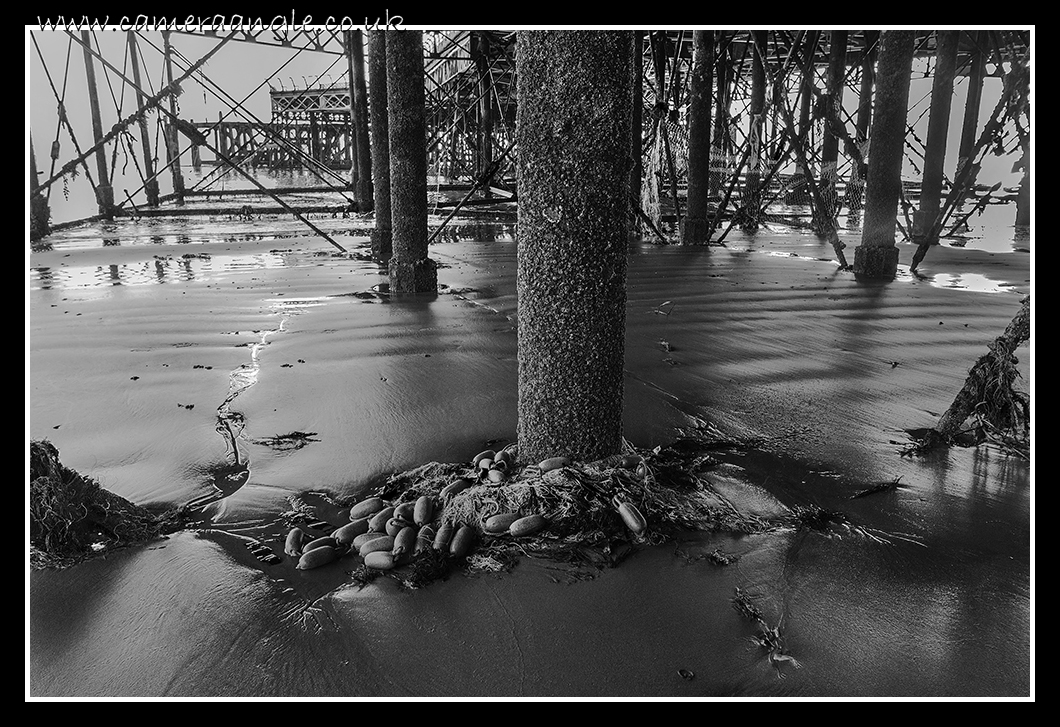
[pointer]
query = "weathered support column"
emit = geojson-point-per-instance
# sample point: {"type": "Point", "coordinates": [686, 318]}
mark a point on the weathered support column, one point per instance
{"type": "Point", "coordinates": [695, 225]}
{"type": "Point", "coordinates": [381, 233]}
{"type": "Point", "coordinates": [151, 186]}
{"type": "Point", "coordinates": [834, 85]}
{"type": "Point", "coordinates": [314, 139]}
{"type": "Point", "coordinates": [411, 271]}
{"type": "Point", "coordinates": [720, 148]}
{"type": "Point", "coordinates": [638, 118]}
{"type": "Point", "coordinates": [39, 214]}
{"type": "Point", "coordinates": [675, 80]}
{"type": "Point", "coordinates": [172, 136]}
{"type": "Point", "coordinates": [800, 193]}
{"type": "Point", "coordinates": [877, 256]}
{"type": "Point", "coordinates": [937, 133]}
{"type": "Point", "coordinates": [104, 190]}
{"type": "Point", "coordinates": [361, 169]}
{"type": "Point", "coordinates": [752, 196]}
{"type": "Point", "coordinates": [972, 102]}
{"type": "Point", "coordinates": [855, 194]}
{"type": "Point", "coordinates": [1023, 197]}
{"type": "Point", "coordinates": [574, 126]}
{"type": "Point", "coordinates": [485, 105]}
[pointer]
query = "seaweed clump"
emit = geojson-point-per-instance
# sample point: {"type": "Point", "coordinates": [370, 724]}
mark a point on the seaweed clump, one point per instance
{"type": "Point", "coordinates": [72, 518]}
{"type": "Point", "coordinates": [586, 506]}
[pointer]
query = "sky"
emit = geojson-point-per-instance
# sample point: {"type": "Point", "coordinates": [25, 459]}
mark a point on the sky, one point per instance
{"type": "Point", "coordinates": [240, 67]}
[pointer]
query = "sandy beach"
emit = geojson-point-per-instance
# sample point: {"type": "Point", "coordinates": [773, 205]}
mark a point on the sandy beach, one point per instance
{"type": "Point", "coordinates": [140, 347]}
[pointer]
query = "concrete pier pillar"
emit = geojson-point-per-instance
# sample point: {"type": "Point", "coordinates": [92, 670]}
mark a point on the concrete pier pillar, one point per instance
{"type": "Point", "coordinates": [834, 85]}
{"type": "Point", "coordinates": [574, 126]}
{"type": "Point", "coordinates": [973, 100]}
{"type": "Point", "coordinates": [480, 52]}
{"type": "Point", "coordinates": [1023, 197]}
{"type": "Point", "coordinates": [752, 195]}
{"type": "Point", "coordinates": [151, 185]}
{"type": "Point", "coordinates": [720, 146]}
{"type": "Point", "coordinates": [638, 117]}
{"type": "Point", "coordinates": [411, 271]}
{"type": "Point", "coordinates": [172, 136]}
{"type": "Point", "coordinates": [104, 190]}
{"type": "Point", "coordinates": [380, 143]}
{"type": "Point", "coordinates": [39, 213]}
{"type": "Point", "coordinates": [694, 225]}
{"type": "Point", "coordinates": [361, 168]}
{"type": "Point", "coordinates": [800, 192]}
{"type": "Point", "coordinates": [877, 255]}
{"type": "Point", "coordinates": [937, 133]}
{"type": "Point", "coordinates": [855, 194]}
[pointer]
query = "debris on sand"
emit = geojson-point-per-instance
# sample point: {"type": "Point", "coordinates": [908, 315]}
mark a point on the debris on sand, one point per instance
{"type": "Point", "coordinates": [72, 518]}
{"type": "Point", "coordinates": [879, 487]}
{"type": "Point", "coordinates": [1000, 412]}
{"type": "Point", "coordinates": [768, 637]}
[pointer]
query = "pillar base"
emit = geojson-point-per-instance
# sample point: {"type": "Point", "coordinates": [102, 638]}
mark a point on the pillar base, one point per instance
{"type": "Point", "coordinates": [382, 244]}
{"type": "Point", "coordinates": [694, 230]}
{"type": "Point", "coordinates": [105, 200]}
{"type": "Point", "coordinates": [413, 276]}
{"type": "Point", "coordinates": [876, 262]}
{"type": "Point", "coordinates": [151, 190]}
{"type": "Point", "coordinates": [39, 217]}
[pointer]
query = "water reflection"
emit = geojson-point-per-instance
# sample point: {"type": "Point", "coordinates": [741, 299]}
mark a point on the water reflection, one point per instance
{"type": "Point", "coordinates": [158, 270]}
{"type": "Point", "coordinates": [969, 281]}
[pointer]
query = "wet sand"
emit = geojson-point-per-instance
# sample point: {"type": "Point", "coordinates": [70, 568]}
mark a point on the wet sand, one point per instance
{"type": "Point", "coordinates": [139, 350]}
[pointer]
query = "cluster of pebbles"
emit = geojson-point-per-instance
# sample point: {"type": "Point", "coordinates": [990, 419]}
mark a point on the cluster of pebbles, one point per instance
{"type": "Point", "coordinates": [387, 535]}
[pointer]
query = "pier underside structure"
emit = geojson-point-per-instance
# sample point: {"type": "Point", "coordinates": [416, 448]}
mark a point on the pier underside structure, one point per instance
{"type": "Point", "coordinates": [788, 131]}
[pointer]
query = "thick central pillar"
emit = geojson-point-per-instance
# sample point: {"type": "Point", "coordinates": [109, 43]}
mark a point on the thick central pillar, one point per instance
{"type": "Point", "coordinates": [574, 126]}
{"type": "Point", "coordinates": [877, 256]}
{"type": "Point", "coordinates": [694, 225]}
{"type": "Point", "coordinates": [411, 271]}
{"type": "Point", "coordinates": [381, 233]}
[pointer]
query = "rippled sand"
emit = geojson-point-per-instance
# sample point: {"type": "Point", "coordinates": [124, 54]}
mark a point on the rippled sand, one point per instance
{"type": "Point", "coordinates": [154, 361]}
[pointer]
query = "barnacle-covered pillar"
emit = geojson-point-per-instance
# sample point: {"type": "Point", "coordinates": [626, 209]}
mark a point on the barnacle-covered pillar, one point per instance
{"type": "Point", "coordinates": [877, 255]}
{"type": "Point", "coordinates": [837, 68]}
{"type": "Point", "coordinates": [937, 133]}
{"type": "Point", "coordinates": [104, 190]}
{"type": "Point", "coordinates": [361, 171]}
{"type": "Point", "coordinates": [411, 271]}
{"type": "Point", "coordinates": [694, 226]}
{"type": "Point", "coordinates": [855, 194]}
{"type": "Point", "coordinates": [574, 134]}
{"type": "Point", "coordinates": [39, 213]}
{"type": "Point", "coordinates": [381, 233]}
